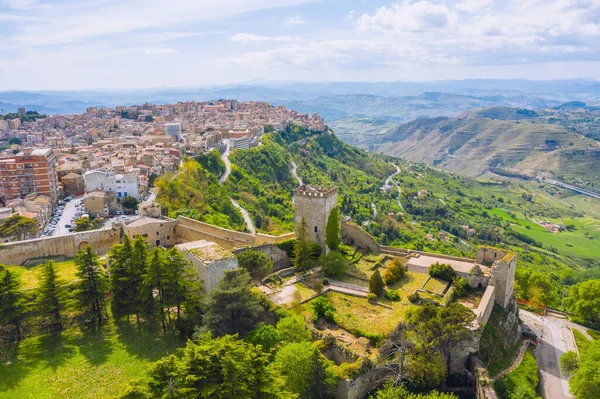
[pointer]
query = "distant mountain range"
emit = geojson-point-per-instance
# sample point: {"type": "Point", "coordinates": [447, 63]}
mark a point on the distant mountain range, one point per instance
{"type": "Point", "coordinates": [401, 101]}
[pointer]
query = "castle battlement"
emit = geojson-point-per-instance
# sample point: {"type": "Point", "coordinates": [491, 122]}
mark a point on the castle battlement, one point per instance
{"type": "Point", "coordinates": [316, 192]}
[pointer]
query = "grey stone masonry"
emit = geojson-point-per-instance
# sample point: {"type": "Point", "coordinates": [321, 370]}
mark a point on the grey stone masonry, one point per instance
{"type": "Point", "coordinates": [314, 204]}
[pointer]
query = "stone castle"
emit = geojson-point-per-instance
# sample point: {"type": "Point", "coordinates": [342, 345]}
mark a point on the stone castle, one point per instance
{"type": "Point", "coordinates": [314, 204]}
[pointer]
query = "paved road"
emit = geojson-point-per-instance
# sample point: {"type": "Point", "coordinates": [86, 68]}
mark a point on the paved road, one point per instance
{"type": "Point", "coordinates": [67, 217]}
{"type": "Point", "coordinates": [225, 158]}
{"type": "Point", "coordinates": [245, 215]}
{"type": "Point", "coordinates": [387, 183]}
{"type": "Point", "coordinates": [555, 339]}
{"type": "Point", "coordinates": [294, 168]}
{"type": "Point", "coordinates": [571, 187]}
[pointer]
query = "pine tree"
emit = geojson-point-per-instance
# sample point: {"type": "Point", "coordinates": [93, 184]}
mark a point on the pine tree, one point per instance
{"type": "Point", "coordinates": [232, 308]}
{"type": "Point", "coordinates": [320, 383]}
{"type": "Point", "coordinates": [50, 297]}
{"type": "Point", "coordinates": [11, 301]}
{"type": "Point", "coordinates": [155, 279]}
{"type": "Point", "coordinates": [141, 297]}
{"type": "Point", "coordinates": [376, 284]}
{"type": "Point", "coordinates": [119, 258]}
{"type": "Point", "coordinates": [92, 288]}
{"type": "Point", "coordinates": [302, 251]}
{"type": "Point", "coordinates": [332, 231]}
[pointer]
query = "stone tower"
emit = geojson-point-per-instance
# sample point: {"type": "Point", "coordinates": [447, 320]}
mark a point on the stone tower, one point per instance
{"type": "Point", "coordinates": [314, 204]}
{"type": "Point", "coordinates": [503, 263]}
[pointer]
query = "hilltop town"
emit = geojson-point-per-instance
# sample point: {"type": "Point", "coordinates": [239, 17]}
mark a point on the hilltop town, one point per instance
{"type": "Point", "coordinates": [111, 153]}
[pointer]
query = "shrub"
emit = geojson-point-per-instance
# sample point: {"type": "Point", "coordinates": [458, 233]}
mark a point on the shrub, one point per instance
{"type": "Point", "coordinates": [442, 271]}
{"type": "Point", "coordinates": [414, 298]}
{"type": "Point", "coordinates": [569, 362]}
{"type": "Point", "coordinates": [392, 295]}
{"type": "Point", "coordinates": [334, 264]}
{"type": "Point", "coordinates": [322, 307]}
{"type": "Point", "coordinates": [376, 284]}
{"type": "Point", "coordinates": [394, 273]}
{"type": "Point", "coordinates": [371, 297]}
{"type": "Point", "coordinates": [325, 281]}
{"type": "Point", "coordinates": [287, 246]}
{"type": "Point", "coordinates": [257, 263]}
{"type": "Point", "coordinates": [315, 250]}
{"type": "Point", "coordinates": [461, 286]}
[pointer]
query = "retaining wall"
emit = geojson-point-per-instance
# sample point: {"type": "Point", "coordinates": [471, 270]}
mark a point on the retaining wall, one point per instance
{"type": "Point", "coordinates": [16, 253]}
{"type": "Point", "coordinates": [484, 310]}
{"type": "Point", "coordinates": [352, 234]}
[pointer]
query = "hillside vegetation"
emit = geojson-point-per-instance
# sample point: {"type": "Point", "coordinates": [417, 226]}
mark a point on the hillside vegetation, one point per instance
{"type": "Point", "coordinates": [561, 143]}
{"type": "Point", "coordinates": [441, 212]}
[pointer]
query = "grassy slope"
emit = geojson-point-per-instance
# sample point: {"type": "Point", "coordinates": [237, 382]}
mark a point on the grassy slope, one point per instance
{"type": "Point", "coordinates": [526, 374]}
{"type": "Point", "coordinates": [30, 276]}
{"type": "Point", "coordinates": [80, 364]}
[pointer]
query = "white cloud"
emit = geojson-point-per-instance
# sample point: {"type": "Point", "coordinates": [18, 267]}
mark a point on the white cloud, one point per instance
{"type": "Point", "coordinates": [408, 17]}
{"type": "Point", "coordinates": [24, 4]}
{"type": "Point", "coordinates": [251, 38]}
{"type": "Point", "coordinates": [293, 21]}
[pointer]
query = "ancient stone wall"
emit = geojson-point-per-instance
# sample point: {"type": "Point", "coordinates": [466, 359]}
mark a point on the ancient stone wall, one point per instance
{"type": "Point", "coordinates": [211, 273]}
{"type": "Point", "coordinates": [278, 256]}
{"type": "Point", "coordinates": [484, 310]}
{"type": "Point", "coordinates": [503, 278]}
{"type": "Point", "coordinates": [352, 234]}
{"type": "Point", "coordinates": [194, 230]}
{"type": "Point", "coordinates": [156, 232]}
{"type": "Point", "coordinates": [16, 253]}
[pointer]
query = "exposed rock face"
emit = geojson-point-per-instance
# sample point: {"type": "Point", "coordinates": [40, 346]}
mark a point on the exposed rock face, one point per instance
{"type": "Point", "coordinates": [502, 332]}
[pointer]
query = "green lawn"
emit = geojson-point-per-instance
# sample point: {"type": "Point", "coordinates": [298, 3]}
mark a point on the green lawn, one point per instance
{"type": "Point", "coordinates": [584, 242]}
{"type": "Point", "coordinates": [80, 364]}
{"type": "Point", "coordinates": [30, 276]}
{"type": "Point", "coordinates": [526, 374]}
{"type": "Point", "coordinates": [436, 285]}
{"type": "Point", "coordinates": [581, 341]}
{"type": "Point", "coordinates": [594, 334]}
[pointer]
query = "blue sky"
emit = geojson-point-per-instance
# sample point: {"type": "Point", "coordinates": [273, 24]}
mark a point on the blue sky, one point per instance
{"type": "Point", "coordinates": [67, 44]}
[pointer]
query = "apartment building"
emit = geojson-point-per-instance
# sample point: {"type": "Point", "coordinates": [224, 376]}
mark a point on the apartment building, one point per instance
{"type": "Point", "coordinates": [30, 171]}
{"type": "Point", "coordinates": [124, 185]}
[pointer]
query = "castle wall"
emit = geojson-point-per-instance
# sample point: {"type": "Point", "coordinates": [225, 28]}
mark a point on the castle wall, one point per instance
{"type": "Point", "coordinates": [211, 273]}
{"type": "Point", "coordinates": [484, 310]}
{"type": "Point", "coordinates": [160, 231]}
{"type": "Point", "coordinates": [315, 208]}
{"type": "Point", "coordinates": [278, 256]}
{"type": "Point", "coordinates": [16, 253]}
{"type": "Point", "coordinates": [352, 234]}
{"type": "Point", "coordinates": [194, 230]}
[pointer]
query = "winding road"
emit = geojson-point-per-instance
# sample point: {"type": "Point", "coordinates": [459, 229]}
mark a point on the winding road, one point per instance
{"type": "Point", "coordinates": [555, 337]}
{"type": "Point", "coordinates": [389, 180]}
{"type": "Point", "coordinates": [293, 170]}
{"type": "Point", "coordinates": [245, 214]}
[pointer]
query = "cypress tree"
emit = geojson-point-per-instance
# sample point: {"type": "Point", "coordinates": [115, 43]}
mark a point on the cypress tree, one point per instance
{"type": "Point", "coordinates": [141, 297]}
{"type": "Point", "coordinates": [119, 258]}
{"type": "Point", "coordinates": [319, 384]}
{"type": "Point", "coordinates": [11, 301]}
{"type": "Point", "coordinates": [302, 251]}
{"type": "Point", "coordinates": [155, 279]}
{"type": "Point", "coordinates": [50, 297]}
{"type": "Point", "coordinates": [92, 288]}
{"type": "Point", "coordinates": [376, 284]}
{"type": "Point", "coordinates": [332, 230]}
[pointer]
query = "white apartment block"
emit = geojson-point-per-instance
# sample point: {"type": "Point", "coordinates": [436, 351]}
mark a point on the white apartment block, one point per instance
{"type": "Point", "coordinates": [173, 129]}
{"type": "Point", "coordinates": [124, 185]}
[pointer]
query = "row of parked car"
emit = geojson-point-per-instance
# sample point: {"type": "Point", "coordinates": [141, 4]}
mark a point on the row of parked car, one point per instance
{"type": "Point", "coordinates": [51, 226]}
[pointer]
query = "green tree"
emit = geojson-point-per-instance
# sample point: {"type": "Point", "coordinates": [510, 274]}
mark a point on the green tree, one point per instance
{"type": "Point", "coordinates": [232, 308]}
{"type": "Point", "coordinates": [181, 288]}
{"type": "Point", "coordinates": [11, 301]}
{"type": "Point", "coordinates": [51, 296]}
{"type": "Point", "coordinates": [585, 382]}
{"type": "Point", "coordinates": [84, 223]}
{"type": "Point", "coordinates": [332, 230]}
{"type": "Point", "coordinates": [443, 271]}
{"type": "Point", "coordinates": [141, 298]}
{"type": "Point", "coordinates": [119, 258]}
{"type": "Point", "coordinates": [569, 362]}
{"type": "Point", "coordinates": [321, 381]}
{"type": "Point", "coordinates": [584, 300]}
{"type": "Point", "coordinates": [293, 329]}
{"type": "Point", "coordinates": [394, 272]}
{"type": "Point", "coordinates": [92, 286]}
{"type": "Point", "coordinates": [257, 263]}
{"type": "Point", "coordinates": [376, 284]}
{"type": "Point", "coordinates": [267, 336]}
{"type": "Point", "coordinates": [322, 307]}
{"type": "Point", "coordinates": [302, 250]}
{"type": "Point", "coordinates": [129, 203]}
{"type": "Point", "coordinates": [217, 368]}
{"type": "Point", "coordinates": [295, 362]}
{"type": "Point", "coordinates": [19, 227]}
{"type": "Point", "coordinates": [389, 391]}
{"type": "Point", "coordinates": [333, 264]}
{"type": "Point", "coordinates": [156, 278]}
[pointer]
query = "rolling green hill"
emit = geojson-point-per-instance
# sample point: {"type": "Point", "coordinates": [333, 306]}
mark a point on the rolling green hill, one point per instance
{"type": "Point", "coordinates": [554, 142]}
